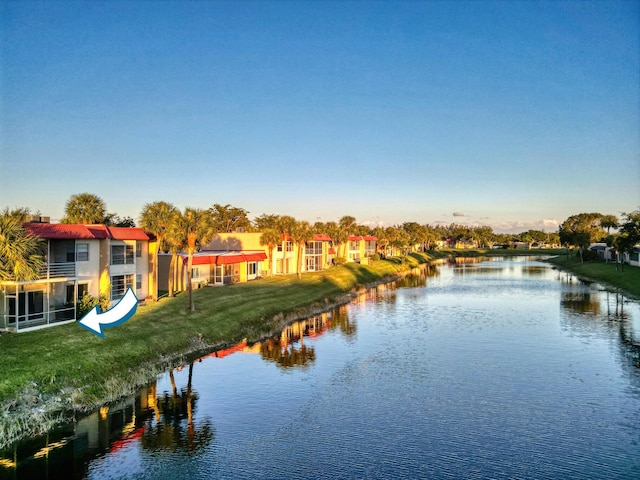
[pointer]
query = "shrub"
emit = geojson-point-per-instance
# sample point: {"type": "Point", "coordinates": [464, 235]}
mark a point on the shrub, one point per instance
{"type": "Point", "coordinates": [87, 302]}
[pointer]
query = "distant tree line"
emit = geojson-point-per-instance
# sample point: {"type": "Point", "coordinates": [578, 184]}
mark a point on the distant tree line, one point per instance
{"type": "Point", "coordinates": [186, 231]}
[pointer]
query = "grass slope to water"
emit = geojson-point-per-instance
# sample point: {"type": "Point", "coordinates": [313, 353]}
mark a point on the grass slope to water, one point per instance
{"type": "Point", "coordinates": [628, 281]}
{"type": "Point", "coordinates": [55, 369]}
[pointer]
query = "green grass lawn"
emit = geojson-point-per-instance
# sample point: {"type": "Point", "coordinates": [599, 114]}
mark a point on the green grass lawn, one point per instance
{"type": "Point", "coordinates": [67, 367]}
{"type": "Point", "coordinates": [84, 371]}
{"type": "Point", "coordinates": [628, 280]}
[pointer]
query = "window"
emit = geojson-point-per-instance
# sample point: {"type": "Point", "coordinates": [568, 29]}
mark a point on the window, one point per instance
{"type": "Point", "coordinates": [289, 246]}
{"type": "Point", "coordinates": [138, 282]}
{"type": "Point", "coordinates": [82, 252]}
{"type": "Point", "coordinates": [252, 268]}
{"type": "Point", "coordinates": [138, 249]}
{"type": "Point", "coordinates": [83, 289]}
{"type": "Point", "coordinates": [70, 293]}
{"type": "Point", "coordinates": [119, 285]}
{"type": "Point", "coordinates": [71, 252]}
{"type": "Point", "coordinates": [122, 255]}
{"type": "Point", "coordinates": [195, 273]}
{"type": "Point", "coordinates": [279, 248]}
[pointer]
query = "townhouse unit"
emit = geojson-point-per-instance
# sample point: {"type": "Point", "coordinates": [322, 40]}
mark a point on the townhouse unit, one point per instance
{"type": "Point", "coordinates": [240, 257]}
{"type": "Point", "coordinates": [79, 260]}
{"type": "Point", "coordinates": [361, 248]}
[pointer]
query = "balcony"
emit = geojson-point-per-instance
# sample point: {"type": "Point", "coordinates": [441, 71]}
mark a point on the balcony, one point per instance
{"type": "Point", "coordinates": [58, 270]}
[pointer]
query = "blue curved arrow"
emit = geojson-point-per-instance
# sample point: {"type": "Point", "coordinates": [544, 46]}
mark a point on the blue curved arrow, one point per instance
{"type": "Point", "coordinates": [116, 315]}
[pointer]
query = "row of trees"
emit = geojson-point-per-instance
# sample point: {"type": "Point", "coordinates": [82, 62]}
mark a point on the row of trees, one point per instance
{"type": "Point", "coordinates": [584, 229]}
{"type": "Point", "coordinates": [187, 230]}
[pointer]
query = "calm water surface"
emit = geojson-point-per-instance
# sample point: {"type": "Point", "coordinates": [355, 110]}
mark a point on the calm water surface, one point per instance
{"type": "Point", "coordinates": [480, 369]}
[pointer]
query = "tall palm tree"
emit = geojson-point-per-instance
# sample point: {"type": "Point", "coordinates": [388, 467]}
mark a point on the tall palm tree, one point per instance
{"type": "Point", "coordinates": [156, 218]}
{"type": "Point", "coordinates": [270, 237]}
{"type": "Point", "coordinates": [301, 233]}
{"type": "Point", "coordinates": [21, 254]}
{"type": "Point", "coordinates": [285, 224]}
{"type": "Point", "coordinates": [609, 222]}
{"type": "Point", "coordinates": [176, 242]}
{"type": "Point", "coordinates": [85, 208]}
{"type": "Point", "coordinates": [346, 224]}
{"type": "Point", "coordinates": [195, 227]}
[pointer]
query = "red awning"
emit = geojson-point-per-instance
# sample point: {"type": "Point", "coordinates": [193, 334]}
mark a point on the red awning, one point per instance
{"type": "Point", "coordinates": [224, 258]}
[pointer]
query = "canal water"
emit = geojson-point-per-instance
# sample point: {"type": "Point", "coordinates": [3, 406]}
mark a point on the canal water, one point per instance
{"type": "Point", "coordinates": [502, 369]}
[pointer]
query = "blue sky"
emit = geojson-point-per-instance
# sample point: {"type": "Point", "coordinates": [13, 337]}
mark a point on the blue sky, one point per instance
{"type": "Point", "coordinates": [510, 114]}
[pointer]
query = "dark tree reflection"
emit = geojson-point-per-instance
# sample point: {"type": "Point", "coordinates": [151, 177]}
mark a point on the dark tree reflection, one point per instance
{"type": "Point", "coordinates": [175, 429]}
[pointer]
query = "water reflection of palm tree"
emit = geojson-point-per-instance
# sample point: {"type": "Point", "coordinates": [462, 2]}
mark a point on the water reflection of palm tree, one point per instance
{"type": "Point", "coordinates": [287, 356]}
{"type": "Point", "coordinates": [340, 320]}
{"type": "Point", "coordinates": [177, 430]}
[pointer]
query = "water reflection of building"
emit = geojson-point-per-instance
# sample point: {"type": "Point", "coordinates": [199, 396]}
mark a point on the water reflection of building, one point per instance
{"type": "Point", "coordinates": [157, 421]}
{"type": "Point", "coordinates": [64, 452]}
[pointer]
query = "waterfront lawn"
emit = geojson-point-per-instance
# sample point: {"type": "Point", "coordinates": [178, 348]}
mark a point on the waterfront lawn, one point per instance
{"type": "Point", "coordinates": [85, 371]}
{"type": "Point", "coordinates": [628, 280]}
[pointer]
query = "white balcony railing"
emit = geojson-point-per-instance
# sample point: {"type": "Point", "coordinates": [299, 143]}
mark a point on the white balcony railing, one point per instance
{"type": "Point", "coordinates": [58, 270]}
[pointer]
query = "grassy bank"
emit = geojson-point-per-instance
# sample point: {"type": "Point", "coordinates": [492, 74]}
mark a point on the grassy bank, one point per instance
{"type": "Point", "coordinates": [628, 281]}
{"type": "Point", "coordinates": [48, 371]}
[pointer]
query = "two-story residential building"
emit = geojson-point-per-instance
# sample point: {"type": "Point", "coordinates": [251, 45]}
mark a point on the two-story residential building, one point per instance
{"type": "Point", "coordinates": [80, 260]}
{"type": "Point", "coordinates": [239, 257]}
{"type": "Point", "coordinates": [361, 248]}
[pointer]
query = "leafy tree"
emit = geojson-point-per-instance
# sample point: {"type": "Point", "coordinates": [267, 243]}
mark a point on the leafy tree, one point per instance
{"type": "Point", "coordinates": [85, 208]}
{"type": "Point", "coordinates": [193, 227]}
{"type": "Point", "coordinates": [21, 254]}
{"type": "Point", "coordinates": [156, 217]}
{"type": "Point", "coordinates": [484, 236]}
{"type": "Point", "coordinates": [629, 233]}
{"type": "Point", "coordinates": [118, 221]}
{"type": "Point", "coordinates": [265, 221]}
{"type": "Point", "coordinates": [227, 218]}
{"type": "Point", "coordinates": [582, 230]}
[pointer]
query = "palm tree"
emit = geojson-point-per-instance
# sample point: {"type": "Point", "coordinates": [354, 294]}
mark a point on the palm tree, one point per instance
{"type": "Point", "coordinates": [346, 224]}
{"type": "Point", "coordinates": [285, 224]}
{"type": "Point", "coordinates": [156, 218]}
{"type": "Point", "coordinates": [193, 227]}
{"type": "Point", "coordinates": [270, 237]}
{"type": "Point", "coordinates": [85, 208]}
{"type": "Point", "coordinates": [609, 222]}
{"type": "Point", "coordinates": [21, 254]}
{"type": "Point", "coordinates": [301, 233]}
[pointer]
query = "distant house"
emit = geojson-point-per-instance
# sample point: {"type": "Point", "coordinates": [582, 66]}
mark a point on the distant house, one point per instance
{"type": "Point", "coordinates": [361, 248]}
{"type": "Point", "coordinates": [240, 257]}
{"type": "Point", "coordinates": [633, 257]}
{"type": "Point", "coordinates": [80, 260]}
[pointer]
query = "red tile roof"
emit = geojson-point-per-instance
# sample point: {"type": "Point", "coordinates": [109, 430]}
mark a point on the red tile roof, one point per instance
{"type": "Point", "coordinates": [71, 231]}
{"type": "Point", "coordinates": [127, 233]}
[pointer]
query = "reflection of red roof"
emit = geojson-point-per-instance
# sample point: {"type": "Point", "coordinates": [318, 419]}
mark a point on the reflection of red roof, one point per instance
{"type": "Point", "coordinates": [73, 231]}
{"type": "Point", "coordinates": [321, 237]}
{"type": "Point", "coordinates": [228, 351]}
{"type": "Point", "coordinates": [207, 257]}
{"type": "Point", "coordinates": [118, 444]}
